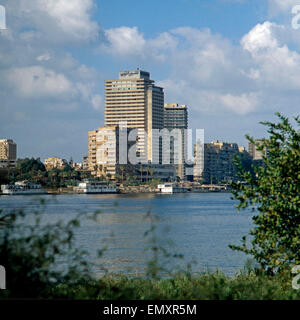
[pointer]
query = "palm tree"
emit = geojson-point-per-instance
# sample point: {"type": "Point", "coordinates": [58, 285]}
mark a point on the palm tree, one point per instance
{"type": "Point", "coordinates": [122, 170]}
{"type": "Point", "coordinates": [83, 175]}
{"type": "Point", "coordinates": [141, 171]}
{"type": "Point", "coordinates": [148, 171]}
{"type": "Point", "coordinates": [151, 173]}
{"type": "Point", "coordinates": [95, 168]}
{"type": "Point", "coordinates": [74, 175]}
{"type": "Point", "coordinates": [53, 176]}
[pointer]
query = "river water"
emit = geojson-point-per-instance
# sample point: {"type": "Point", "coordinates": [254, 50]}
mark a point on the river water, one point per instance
{"type": "Point", "coordinates": [200, 226]}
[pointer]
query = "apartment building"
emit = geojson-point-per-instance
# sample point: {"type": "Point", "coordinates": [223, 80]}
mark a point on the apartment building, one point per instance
{"type": "Point", "coordinates": [55, 162]}
{"type": "Point", "coordinates": [254, 153]}
{"type": "Point", "coordinates": [176, 117]}
{"type": "Point", "coordinates": [92, 152]}
{"type": "Point", "coordinates": [218, 162]}
{"type": "Point", "coordinates": [198, 161]}
{"type": "Point", "coordinates": [8, 153]}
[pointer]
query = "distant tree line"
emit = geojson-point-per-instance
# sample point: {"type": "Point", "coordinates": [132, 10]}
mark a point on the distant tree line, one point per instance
{"type": "Point", "coordinates": [35, 171]}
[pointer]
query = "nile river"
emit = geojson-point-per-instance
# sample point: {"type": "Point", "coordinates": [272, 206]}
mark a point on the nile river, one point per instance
{"type": "Point", "coordinates": [200, 226]}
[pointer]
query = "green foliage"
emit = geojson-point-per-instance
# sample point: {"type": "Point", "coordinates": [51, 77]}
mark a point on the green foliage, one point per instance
{"type": "Point", "coordinates": [41, 262]}
{"type": "Point", "coordinates": [28, 165]}
{"type": "Point", "coordinates": [206, 286]}
{"type": "Point", "coordinates": [34, 171]}
{"type": "Point", "coordinates": [273, 191]}
{"type": "Point", "coordinates": [246, 162]}
{"type": "Point", "coordinates": [33, 252]}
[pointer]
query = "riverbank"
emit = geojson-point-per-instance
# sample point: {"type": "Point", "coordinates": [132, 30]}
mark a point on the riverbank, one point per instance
{"type": "Point", "coordinates": [141, 188]}
{"type": "Point", "coordinates": [190, 187]}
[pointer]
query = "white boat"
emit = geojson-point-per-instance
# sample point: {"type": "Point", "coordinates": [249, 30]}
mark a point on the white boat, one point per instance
{"type": "Point", "coordinates": [22, 188]}
{"type": "Point", "coordinates": [170, 188]}
{"type": "Point", "coordinates": [91, 187]}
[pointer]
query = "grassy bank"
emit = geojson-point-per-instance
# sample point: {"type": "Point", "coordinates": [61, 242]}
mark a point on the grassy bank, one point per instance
{"type": "Point", "coordinates": [215, 286]}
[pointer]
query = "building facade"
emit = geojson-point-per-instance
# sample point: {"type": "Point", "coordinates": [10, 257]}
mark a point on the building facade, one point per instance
{"type": "Point", "coordinates": [8, 153]}
{"type": "Point", "coordinates": [176, 117]}
{"type": "Point", "coordinates": [218, 162]}
{"type": "Point", "coordinates": [254, 153]}
{"type": "Point", "coordinates": [85, 162]}
{"type": "Point", "coordinates": [104, 158]}
{"type": "Point", "coordinates": [165, 173]}
{"type": "Point", "coordinates": [198, 161]}
{"type": "Point", "coordinates": [55, 162]}
{"type": "Point", "coordinates": [92, 152]}
{"type": "Point", "coordinates": [107, 155]}
{"type": "Point", "coordinates": [135, 100]}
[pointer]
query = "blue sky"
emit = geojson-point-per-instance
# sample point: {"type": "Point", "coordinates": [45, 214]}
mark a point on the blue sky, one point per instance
{"type": "Point", "coordinates": [230, 18]}
{"type": "Point", "coordinates": [233, 62]}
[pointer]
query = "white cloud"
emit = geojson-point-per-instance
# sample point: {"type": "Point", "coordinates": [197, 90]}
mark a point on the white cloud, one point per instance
{"type": "Point", "coordinates": [260, 38]}
{"type": "Point", "coordinates": [208, 72]}
{"type": "Point", "coordinates": [97, 101]}
{"type": "Point", "coordinates": [53, 20]}
{"type": "Point", "coordinates": [72, 17]}
{"type": "Point", "coordinates": [281, 6]}
{"type": "Point", "coordinates": [37, 82]}
{"type": "Point", "coordinates": [278, 66]}
{"type": "Point", "coordinates": [125, 41]}
{"type": "Point", "coordinates": [211, 74]}
{"type": "Point", "coordinates": [241, 104]}
{"type": "Point", "coordinates": [43, 70]}
{"type": "Point", "coordinates": [130, 42]}
{"type": "Point", "coordinates": [44, 57]}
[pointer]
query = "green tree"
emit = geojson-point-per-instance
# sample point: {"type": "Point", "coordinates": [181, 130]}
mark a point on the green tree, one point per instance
{"type": "Point", "coordinates": [122, 172]}
{"type": "Point", "coordinates": [273, 191]}
{"type": "Point", "coordinates": [28, 165]}
{"type": "Point", "coordinates": [141, 171]}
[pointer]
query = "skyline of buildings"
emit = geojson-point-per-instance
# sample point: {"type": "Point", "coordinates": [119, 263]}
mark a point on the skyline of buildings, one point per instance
{"type": "Point", "coordinates": [133, 104]}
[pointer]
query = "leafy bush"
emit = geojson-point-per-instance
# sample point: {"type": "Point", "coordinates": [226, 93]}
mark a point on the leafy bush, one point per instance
{"type": "Point", "coordinates": [273, 191]}
{"type": "Point", "coordinates": [32, 254]}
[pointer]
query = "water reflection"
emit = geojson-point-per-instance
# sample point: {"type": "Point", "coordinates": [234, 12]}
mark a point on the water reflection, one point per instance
{"type": "Point", "coordinates": [200, 226]}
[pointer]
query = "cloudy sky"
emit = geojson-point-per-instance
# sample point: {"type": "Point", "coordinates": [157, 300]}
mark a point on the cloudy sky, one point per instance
{"type": "Point", "coordinates": [233, 62]}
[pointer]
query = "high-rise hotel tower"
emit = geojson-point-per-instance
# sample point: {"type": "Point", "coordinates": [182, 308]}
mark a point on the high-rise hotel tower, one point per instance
{"type": "Point", "coordinates": [176, 117]}
{"type": "Point", "coordinates": [135, 99]}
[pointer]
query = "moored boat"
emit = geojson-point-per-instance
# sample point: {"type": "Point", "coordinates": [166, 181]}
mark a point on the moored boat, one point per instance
{"type": "Point", "coordinates": [22, 188]}
{"type": "Point", "coordinates": [170, 188]}
{"type": "Point", "coordinates": [93, 187]}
